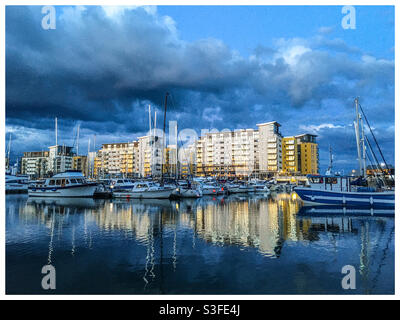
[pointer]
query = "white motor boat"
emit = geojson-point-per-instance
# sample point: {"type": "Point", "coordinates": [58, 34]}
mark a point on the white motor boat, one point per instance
{"type": "Point", "coordinates": [67, 184]}
{"type": "Point", "coordinates": [16, 184]}
{"type": "Point", "coordinates": [145, 190]}
{"type": "Point", "coordinates": [121, 184]}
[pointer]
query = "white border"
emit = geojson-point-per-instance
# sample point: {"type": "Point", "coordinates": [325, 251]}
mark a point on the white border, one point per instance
{"type": "Point", "coordinates": [189, 297]}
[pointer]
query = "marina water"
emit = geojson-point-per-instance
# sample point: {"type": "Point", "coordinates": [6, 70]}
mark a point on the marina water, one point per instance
{"type": "Point", "coordinates": [213, 245]}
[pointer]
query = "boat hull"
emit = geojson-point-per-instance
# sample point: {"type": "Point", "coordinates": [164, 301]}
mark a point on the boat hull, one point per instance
{"type": "Point", "coordinates": [314, 197]}
{"type": "Point", "coordinates": [153, 194]}
{"type": "Point", "coordinates": [65, 192]}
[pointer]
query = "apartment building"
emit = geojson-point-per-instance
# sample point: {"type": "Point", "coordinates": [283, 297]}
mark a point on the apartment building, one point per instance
{"type": "Point", "coordinates": [150, 153]}
{"type": "Point", "coordinates": [80, 163]}
{"type": "Point", "coordinates": [60, 159]}
{"type": "Point", "coordinates": [270, 148]}
{"type": "Point", "coordinates": [115, 159]}
{"type": "Point", "coordinates": [227, 153]}
{"type": "Point", "coordinates": [290, 156]}
{"type": "Point", "coordinates": [309, 155]}
{"type": "Point", "coordinates": [35, 164]}
{"type": "Point", "coordinates": [300, 154]}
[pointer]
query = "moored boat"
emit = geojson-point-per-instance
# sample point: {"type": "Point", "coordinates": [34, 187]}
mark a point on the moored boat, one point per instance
{"type": "Point", "coordinates": [337, 190]}
{"type": "Point", "coordinates": [145, 190]}
{"type": "Point", "coordinates": [16, 184]}
{"type": "Point", "coordinates": [67, 184]}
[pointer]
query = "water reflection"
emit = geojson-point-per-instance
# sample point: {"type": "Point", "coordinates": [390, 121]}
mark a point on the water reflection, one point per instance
{"type": "Point", "coordinates": [170, 233]}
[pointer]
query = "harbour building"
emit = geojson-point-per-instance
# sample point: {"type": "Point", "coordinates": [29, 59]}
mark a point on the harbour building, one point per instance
{"type": "Point", "coordinates": [80, 163]}
{"type": "Point", "coordinates": [290, 156]}
{"type": "Point", "coordinates": [35, 164]}
{"type": "Point", "coordinates": [60, 159]}
{"type": "Point", "coordinates": [150, 153]}
{"type": "Point", "coordinates": [309, 154]}
{"type": "Point", "coordinates": [300, 155]}
{"type": "Point", "coordinates": [227, 153]}
{"type": "Point", "coordinates": [270, 148]}
{"type": "Point", "coordinates": [116, 159]}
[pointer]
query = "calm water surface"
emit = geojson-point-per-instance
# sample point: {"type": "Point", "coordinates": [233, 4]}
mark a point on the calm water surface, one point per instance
{"type": "Point", "coordinates": [225, 245]}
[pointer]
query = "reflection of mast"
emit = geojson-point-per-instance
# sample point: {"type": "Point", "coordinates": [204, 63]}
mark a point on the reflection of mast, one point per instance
{"type": "Point", "coordinates": [51, 237]}
{"type": "Point", "coordinates": [364, 255]}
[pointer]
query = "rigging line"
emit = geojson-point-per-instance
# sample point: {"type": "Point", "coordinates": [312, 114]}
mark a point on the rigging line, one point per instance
{"type": "Point", "coordinates": [373, 135]}
{"type": "Point", "coordinates": [374, 155]}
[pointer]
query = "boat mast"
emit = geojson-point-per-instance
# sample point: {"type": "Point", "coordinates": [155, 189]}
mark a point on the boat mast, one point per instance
{"type": "Point", "coordinates": [357, 130]}
{"type": "Point", "coordinates": [56, 132]}
{"type": "Point", "coordinates": [77, 141]}
{"type": "Point", "coordinates": [9, 149]}
{"type": "Point", "coordinates": [163, 140]}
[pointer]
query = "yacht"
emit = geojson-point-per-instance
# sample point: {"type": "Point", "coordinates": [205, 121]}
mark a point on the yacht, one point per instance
{"type": "Point", "coordinates": [145, 190]}
{"type": "Point", "coordinates": [16, 184]}
{"type": "Point", "coordinates": [67, 184]}
{"type": "Point", "coordinates": [118, 184]}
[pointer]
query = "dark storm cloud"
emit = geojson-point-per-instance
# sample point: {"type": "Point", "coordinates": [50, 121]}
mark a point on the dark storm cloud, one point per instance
{"type": "Point", "coordinates": [104, 69]}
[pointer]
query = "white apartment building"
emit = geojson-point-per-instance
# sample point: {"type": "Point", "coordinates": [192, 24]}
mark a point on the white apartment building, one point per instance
{"type": "Point", "coordinates": [150, 153]}
{"type": "Point", "coordinates": [60, 159]}
{"type": "Point", "coordinates": [35, 164]}
{"type": "Point", "coordinates": [270, 148]}
{"type": "Point", "coordinates": [228, 153]}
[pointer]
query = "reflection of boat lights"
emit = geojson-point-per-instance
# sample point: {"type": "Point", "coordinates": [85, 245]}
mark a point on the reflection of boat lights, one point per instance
{"type": "Point", "coordinates": [294, 196]}
{"type": "Point", "coordinates": [177, 206]}
{"type": "Point", "coordinates": [111, 205]}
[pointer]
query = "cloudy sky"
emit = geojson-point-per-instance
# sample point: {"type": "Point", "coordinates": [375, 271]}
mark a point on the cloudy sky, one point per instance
{"type": "Point", "coordinates": [225, 68]}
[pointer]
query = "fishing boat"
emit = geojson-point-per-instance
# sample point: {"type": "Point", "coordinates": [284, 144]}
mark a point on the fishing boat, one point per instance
{"type": "Point", "coordinates": [346, 191]}
{"type": "Point", "coordinates": [67, 184]}
{"type": "Point", "coordinates": [338, 190]}
{"type": "Point", "coordinates": [16, 184]}
{"type": "Point", "coordinates": [145, 190]}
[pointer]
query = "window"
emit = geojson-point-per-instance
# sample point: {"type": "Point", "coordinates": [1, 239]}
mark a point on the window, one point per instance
{"type": "Point", "coordinates": [52, 182]}
{"type": "Point", "coordinates": [331, 180]}
{"type": "Point", "coordinates": [58, 182]}
{"type": "Point", "coordinates": [73, 180]}
{"type": "Point", "coordinates": [317, 180]}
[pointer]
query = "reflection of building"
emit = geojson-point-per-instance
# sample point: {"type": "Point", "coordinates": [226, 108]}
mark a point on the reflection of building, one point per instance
{"type": "Point", "coordinates": [35, 164]}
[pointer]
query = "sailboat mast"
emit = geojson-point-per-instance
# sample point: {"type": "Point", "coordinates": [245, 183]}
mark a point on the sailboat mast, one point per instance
{"type": "Point", "coordinates": [163, 140]}
{"type": "Point", "coordinates": [357, 130]}
{"type": "Point", "coordinates": [77, 141]}
{"type": "Point", "coordinates": [9, 148]}
{"type": "Point", "coordinates": [56, 132]}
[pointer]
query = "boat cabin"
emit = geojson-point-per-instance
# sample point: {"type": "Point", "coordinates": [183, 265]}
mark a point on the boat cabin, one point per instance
{"type": "Point", "coordinates": [329, 183]}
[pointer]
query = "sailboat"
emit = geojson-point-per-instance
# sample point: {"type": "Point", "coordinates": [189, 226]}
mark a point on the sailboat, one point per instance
{"type": "Point", "coordinates": [339, 190]}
